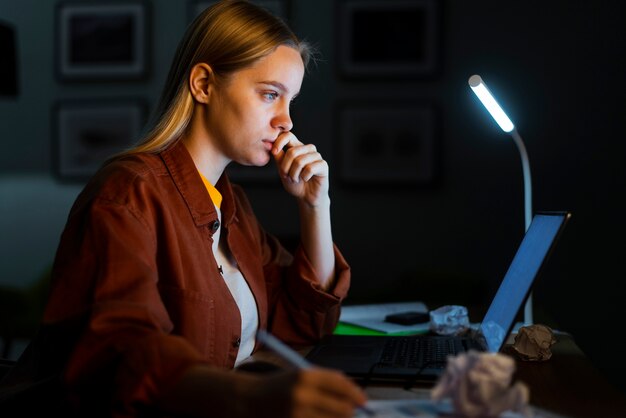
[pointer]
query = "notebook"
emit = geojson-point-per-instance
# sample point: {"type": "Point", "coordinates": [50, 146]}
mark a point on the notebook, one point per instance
{"type": "Point", "coordinates": [423, 357]}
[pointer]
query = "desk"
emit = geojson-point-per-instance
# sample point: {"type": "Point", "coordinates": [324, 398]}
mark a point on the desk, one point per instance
{"type": "Point", "coordinates": [567, 384]}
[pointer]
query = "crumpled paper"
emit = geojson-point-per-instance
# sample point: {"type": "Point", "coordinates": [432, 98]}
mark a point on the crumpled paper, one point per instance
{"type": "Point", "coordinates": [533, 342]}
{"type": "Point", "coordinates": [479, 385]}
{"type": "Point", "coordinates": [449, 320]}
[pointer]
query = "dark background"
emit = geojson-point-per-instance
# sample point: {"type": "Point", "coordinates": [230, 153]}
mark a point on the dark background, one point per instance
{"type": "Point", "coordinates": [557, 67]}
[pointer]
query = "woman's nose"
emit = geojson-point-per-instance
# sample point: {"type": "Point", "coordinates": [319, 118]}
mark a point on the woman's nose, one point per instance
{"type": "Point", "coordinates": [283, 121]}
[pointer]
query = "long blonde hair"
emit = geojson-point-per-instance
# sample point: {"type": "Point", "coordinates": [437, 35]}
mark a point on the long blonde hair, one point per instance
{"type": "Point", "coordinates": [229, 36]}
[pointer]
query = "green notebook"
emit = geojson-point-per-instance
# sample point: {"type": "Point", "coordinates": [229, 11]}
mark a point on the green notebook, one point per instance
{"type": "Point", "coordinates": [349, 329]}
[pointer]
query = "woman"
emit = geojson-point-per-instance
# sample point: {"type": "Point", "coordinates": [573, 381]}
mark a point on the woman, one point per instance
{"type": "Point", "coordinates": [163, 274]}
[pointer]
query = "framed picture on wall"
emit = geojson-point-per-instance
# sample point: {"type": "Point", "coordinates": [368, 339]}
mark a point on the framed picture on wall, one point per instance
{"type": "Point", "coordinates": [387, 38]}
{"type": "Point", "coordinates": [9, 64]}
{"type": "Point", "coordinates": [390, 143]}
{"type": "Point", "coordinates": [101, 40]}
{"type": "Point", "coordinates": [276, 7]}
{"type": "Point", "coordinates": [87, 132]}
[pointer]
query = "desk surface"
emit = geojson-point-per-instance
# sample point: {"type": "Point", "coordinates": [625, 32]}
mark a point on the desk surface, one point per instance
{"type": "Point", "coordinates": [566, 385]}
{"type": "Point", "coordinates": [569, 384]}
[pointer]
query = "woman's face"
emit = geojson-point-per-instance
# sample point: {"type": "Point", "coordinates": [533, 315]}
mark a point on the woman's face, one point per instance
{"type": "Point", "coordinates": [247, 112]}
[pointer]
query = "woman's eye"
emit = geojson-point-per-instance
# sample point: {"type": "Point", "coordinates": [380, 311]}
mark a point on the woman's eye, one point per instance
{"type": "Point", "coordinates": [270, 95]}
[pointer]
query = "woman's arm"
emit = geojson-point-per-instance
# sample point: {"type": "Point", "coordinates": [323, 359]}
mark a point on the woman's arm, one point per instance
{"type": "Point", "coordinates": [304, 174]}
{"type": "Point", "coordinates": [317, 240]}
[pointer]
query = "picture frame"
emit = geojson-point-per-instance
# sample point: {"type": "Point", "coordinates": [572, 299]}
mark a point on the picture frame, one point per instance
{"type": "Point", "coordinates": [393, 143]}
{"type": "Point", "coordinates": [388, 38]}
{"type": "Point", "coordinates": [87, 132]}
{"type": "Point", "coordinates": [101, 40]}
{"type": "Point", "coordinates": [8, 65]}
{"type": "Point", "coordinates": [279, 8]}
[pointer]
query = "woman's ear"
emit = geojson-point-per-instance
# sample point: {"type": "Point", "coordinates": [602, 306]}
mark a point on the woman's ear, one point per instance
{"type": "Point", "coordinates": [200, 80]}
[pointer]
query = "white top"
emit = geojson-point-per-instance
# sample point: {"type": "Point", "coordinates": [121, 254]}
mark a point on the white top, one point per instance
{"type": "Point", "coordinates": [241, 293]}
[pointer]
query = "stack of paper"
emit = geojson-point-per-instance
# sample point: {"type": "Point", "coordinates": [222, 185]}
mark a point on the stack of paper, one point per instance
{"type": "Point", "coordinates": [373, 316]}
{"type": "Point", "coordinates": [425, 408]}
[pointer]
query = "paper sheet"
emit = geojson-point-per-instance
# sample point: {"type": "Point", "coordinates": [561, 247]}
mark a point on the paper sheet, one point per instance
{"type": "Point", "coordinates": [425, 408]}
{"type": "Point", "coordinates": [373, 316]}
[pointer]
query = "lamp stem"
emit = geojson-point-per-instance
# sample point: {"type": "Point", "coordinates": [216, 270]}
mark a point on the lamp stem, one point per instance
{"type": "Point", "coordinates": [528, 210]}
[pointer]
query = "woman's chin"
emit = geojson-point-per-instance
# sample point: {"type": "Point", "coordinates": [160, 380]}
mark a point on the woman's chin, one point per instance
{"type": "Point", "coordinates": [259, 161]}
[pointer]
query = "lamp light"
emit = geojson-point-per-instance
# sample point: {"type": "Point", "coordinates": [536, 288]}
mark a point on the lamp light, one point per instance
{"type": "Point", "coordinates": [479, 87]}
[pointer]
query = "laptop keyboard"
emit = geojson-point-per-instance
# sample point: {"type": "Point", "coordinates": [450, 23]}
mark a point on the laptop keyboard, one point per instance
{"type": "Point", "coordinates": [415, 353]}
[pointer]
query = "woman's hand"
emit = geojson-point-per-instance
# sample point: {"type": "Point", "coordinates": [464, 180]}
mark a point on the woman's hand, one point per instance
{"type": "Point", "coordinates": [303, 171]}
{"type": "Point", "coordinates": [325, 393]}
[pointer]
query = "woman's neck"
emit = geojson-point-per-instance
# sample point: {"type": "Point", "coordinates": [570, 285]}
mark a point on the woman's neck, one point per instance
{"type": "Point", "coordinates": [208, 161]}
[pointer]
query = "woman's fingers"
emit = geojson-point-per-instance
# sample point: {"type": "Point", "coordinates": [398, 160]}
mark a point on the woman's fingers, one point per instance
{"type": "Point", "coordinates": [286, 139]}
{"type": "Point", "coordinates": [303, 171]}
{"type": "Point", "coordinates": [315, 403]}
{"type": "Point", "coordinates": [326, 393]}
{"type": "Point", "coordinates": [298, 161]}
{"type": "Point", "coordinates": [302, 162]}
{"type": "Point", "coordinates": [305, 166]}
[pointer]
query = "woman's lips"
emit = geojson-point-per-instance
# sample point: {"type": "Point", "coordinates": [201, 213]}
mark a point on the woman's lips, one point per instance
{"type": "Point", "coordinates": [268, 144]}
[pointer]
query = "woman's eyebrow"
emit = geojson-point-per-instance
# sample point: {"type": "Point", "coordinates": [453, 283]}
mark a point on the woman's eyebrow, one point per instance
{"type": "Point", "coordinates": [278, 85]}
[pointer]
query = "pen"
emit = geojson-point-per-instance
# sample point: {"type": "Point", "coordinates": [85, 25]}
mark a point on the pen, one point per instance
{"type": "Point", "coordinates": [292, 357]}
{"type": "Point", "coordinates": [283, 350]}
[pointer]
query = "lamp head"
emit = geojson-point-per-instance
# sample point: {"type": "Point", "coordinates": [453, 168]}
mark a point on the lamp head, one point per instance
{"type": "Point", "coordinates": [483, 93]}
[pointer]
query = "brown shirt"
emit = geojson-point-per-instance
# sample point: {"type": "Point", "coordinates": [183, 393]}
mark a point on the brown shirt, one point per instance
{"type": "Point", "coordinates": [135, 263]}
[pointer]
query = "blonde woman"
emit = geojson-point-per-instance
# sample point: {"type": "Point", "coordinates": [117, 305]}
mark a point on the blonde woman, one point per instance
{"type": "Point", "coordinates": [163, 274]}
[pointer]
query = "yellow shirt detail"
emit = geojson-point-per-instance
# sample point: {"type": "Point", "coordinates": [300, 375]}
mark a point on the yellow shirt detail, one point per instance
{"type": "Point", "coordinates": [216, 196]}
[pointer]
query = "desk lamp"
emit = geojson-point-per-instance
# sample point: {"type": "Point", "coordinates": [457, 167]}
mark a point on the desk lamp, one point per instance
{"type": "Point", "coordinates": [480, 89]}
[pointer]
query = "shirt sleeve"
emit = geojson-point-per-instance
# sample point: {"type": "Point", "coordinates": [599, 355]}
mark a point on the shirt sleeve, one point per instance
{"type": "Point", "coordinates": [300, 311]}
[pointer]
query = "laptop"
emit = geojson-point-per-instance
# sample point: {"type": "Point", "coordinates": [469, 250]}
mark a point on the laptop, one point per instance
{"type": "Point", "coordinates": [423, 357]}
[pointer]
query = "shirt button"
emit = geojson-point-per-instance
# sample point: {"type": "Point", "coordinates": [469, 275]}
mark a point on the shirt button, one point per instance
{"type": "Point", "coordinates": [215, 226]}
{"type": "Point", "coordinates": [237, 342]}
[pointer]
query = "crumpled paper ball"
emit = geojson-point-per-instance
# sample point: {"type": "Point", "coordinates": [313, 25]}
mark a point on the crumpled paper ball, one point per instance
{"type": "Point", "coordinates": [533, 342]}
{"type": "Point", "coordinates": [449, 320]}
{"type": "Point", "coordinates": [479, 385]}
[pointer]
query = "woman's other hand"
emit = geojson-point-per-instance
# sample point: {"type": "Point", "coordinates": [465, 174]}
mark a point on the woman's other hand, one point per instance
{"type": "Point", "coordinates": [325, 393]}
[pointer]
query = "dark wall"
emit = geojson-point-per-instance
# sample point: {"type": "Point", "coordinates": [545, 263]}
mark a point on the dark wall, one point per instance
{"type": "Point", "coordinates": [556, 66]}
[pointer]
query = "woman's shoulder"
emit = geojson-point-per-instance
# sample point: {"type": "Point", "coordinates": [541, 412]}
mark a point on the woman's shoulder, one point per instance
{"type": "Point", "coordinates": [135, 164]}
{"type": "Point", "coordinates": [125, 176]}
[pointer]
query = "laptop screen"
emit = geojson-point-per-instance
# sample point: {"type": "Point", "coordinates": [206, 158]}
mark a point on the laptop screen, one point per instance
{"type": "Point", "coordinates": [530, 255]}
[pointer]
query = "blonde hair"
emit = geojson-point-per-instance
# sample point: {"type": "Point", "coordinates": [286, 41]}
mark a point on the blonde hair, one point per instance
{"type": "Point", "coordinates": [229, 36]}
